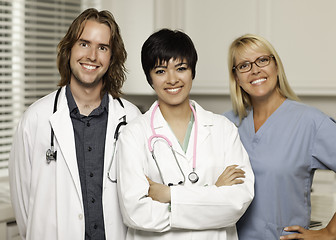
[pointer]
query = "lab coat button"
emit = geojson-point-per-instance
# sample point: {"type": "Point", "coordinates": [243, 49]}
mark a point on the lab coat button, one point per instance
{"type": "Point", "coordinates": [80, 216]}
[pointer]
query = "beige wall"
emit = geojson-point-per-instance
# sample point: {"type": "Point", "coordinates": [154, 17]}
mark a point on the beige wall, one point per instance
{"type": "Point", "coordinates": [303, 36]}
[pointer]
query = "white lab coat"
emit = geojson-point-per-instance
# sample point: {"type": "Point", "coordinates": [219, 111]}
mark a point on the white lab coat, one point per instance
{"type": "Point", "coordinates": [198, 211]}
{"type": "Point", "coordinates": [47, 198]}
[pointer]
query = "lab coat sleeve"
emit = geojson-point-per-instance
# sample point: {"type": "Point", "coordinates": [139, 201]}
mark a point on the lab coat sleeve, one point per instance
{"type": "Point", "coordinates": [211, 207]}
{"type": "Point", "coordinates": [20, 175]}
{"type": "Point", "coordinates": [138, 210]}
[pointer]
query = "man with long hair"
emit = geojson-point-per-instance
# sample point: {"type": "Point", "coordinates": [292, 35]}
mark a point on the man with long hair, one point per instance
{"type": "Point", "coordinates": [63, 184]}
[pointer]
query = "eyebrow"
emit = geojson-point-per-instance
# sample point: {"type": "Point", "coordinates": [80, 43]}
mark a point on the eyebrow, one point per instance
{"type": "Point", "coordinates": [180, 64]}
{"type": "Point", "coordinates": [165, 66]}
{"type": "Point", "coordinates": [244, 61]}
{"type": "Point", "coordinates": [100, 44]}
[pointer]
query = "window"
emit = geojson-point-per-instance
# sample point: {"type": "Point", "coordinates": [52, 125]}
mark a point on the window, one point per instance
{"type": "Point", "coordinates": [29, 33]}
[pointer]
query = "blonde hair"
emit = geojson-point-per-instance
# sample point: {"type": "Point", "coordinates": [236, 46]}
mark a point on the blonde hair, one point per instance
{"type": "Point", "coordinates": [241, 101]}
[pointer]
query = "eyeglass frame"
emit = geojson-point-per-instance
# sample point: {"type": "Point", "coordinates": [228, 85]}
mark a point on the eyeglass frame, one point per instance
{"type": "Point", "coordinates": [255, 62]}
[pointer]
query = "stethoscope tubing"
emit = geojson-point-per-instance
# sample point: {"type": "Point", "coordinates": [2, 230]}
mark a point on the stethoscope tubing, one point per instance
{"type": "Point", "coordinates": [195, 136]}
{"type": "Point", "coordinates": [168, 142]}
{"type": "Point", "coordinates": [54, 110]}
{"type": "Point", "coordinates": [51, 154]}
{"type": "Point", "coordinates": [151, 149]}
{"type": "Point", "coordinates": [193, 177]}
{"type": "Point", "coordinates": [116, 136]}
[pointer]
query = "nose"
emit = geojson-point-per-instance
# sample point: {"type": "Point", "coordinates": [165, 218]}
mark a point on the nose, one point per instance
{"type": "Point", "coordinates": [255, 69]}
{"type": "Point", "coordinates": [92, 54]}
{"type": "Point", "coordinates": [172, 78]}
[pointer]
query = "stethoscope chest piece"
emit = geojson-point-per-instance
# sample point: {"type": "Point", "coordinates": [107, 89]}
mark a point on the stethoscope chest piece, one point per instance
{"type": "Point", "coordinates": [51, 155]}
{"type": "Point", "coordinates": [193, 177]}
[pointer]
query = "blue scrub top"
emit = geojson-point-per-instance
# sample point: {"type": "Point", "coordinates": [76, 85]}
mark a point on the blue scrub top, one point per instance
{"type": "Point", "coordinates": [294, 141]}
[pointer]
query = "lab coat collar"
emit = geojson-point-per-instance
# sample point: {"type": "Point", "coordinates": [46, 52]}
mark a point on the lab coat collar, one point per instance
{"type": "Point", "coordinates": [205, 118]}
{"type": "Point", "coordinates": [64, 139]}
{"type": "Point", "coordinates": [205, 121]}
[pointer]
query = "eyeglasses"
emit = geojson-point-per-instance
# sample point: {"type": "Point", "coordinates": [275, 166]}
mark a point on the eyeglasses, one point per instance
{"type": "Point", "coordinates": [261, 62]}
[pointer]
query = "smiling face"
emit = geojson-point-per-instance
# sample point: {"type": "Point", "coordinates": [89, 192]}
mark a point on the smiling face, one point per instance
{"type": "Point", "coordinates": [90, 55]}
{"type": "Point", "coordinates": [172, 82]}
{"type": "Point", "coordinates": [259, 82]}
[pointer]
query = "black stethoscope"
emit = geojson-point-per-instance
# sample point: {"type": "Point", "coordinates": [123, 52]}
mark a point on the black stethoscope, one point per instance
{"type": "Point", "coordinates": [116, 135]}
{"type": "Point", "coordinates": [51, 154]}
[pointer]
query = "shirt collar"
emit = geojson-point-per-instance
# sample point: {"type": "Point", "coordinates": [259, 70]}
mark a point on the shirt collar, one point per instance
{"type": "Point", "coordinates": [73, 106]}
{"type": "Point", "coordinates": [71, 101]}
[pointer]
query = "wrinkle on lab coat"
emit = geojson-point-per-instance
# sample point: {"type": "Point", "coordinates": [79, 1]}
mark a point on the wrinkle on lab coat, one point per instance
{"type": "Point", "coordinates": [198, 211]}
{"type": "Point", "coordinates": [47, 198]}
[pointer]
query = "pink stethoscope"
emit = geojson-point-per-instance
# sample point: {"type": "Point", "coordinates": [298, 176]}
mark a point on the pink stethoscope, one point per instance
{"type": "Point", "coordinates": [193, 177]}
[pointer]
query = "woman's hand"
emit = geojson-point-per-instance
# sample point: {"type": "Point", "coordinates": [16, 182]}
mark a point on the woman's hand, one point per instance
{"type": "Point", "coordinates": [231, 175]}
{"type": "Point", "coordinates": [158, 192]}
{"type": "Point", "coordinates": [304, 234]}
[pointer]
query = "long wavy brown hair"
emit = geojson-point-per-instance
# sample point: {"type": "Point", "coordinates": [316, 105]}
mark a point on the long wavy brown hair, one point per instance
{"type": "Point", "coordinates": [115, 76]}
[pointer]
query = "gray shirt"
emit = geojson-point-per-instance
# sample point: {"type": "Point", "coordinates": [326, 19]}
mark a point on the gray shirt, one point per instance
{"type": "Point", "coordinates": [90, 134]}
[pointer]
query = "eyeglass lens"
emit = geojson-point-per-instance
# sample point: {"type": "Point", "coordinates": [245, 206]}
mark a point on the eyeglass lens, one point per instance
{"type": "Point", "coordinates": [262, 61]}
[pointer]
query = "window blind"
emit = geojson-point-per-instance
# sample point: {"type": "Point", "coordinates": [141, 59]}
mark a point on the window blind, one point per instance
{"type": "Point", "coordinates": [29, 33]}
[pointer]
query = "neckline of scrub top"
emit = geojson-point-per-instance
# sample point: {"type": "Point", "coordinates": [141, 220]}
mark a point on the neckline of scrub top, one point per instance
{"type": "Point", "coordinates": [270, 120]}
{"type": "Point", "coordinates": [187, 134]}
{"type": "Point", "coordinates": [185, 144]}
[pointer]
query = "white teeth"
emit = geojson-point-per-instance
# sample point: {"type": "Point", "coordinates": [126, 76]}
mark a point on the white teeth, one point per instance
{"type": "Point", "coordinates": [258, 81]}
{"type": "Point", "coordinates": [89, 67]}
{"type": "Point", "coordinates": [173, 90]}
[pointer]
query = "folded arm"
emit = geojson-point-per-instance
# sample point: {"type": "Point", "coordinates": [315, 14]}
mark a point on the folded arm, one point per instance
{"type": "Point", "coordinates": [230, 176]}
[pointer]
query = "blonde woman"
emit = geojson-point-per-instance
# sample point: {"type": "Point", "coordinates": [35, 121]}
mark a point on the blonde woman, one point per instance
{"type": "Point", "coordinates": [286, 142]}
